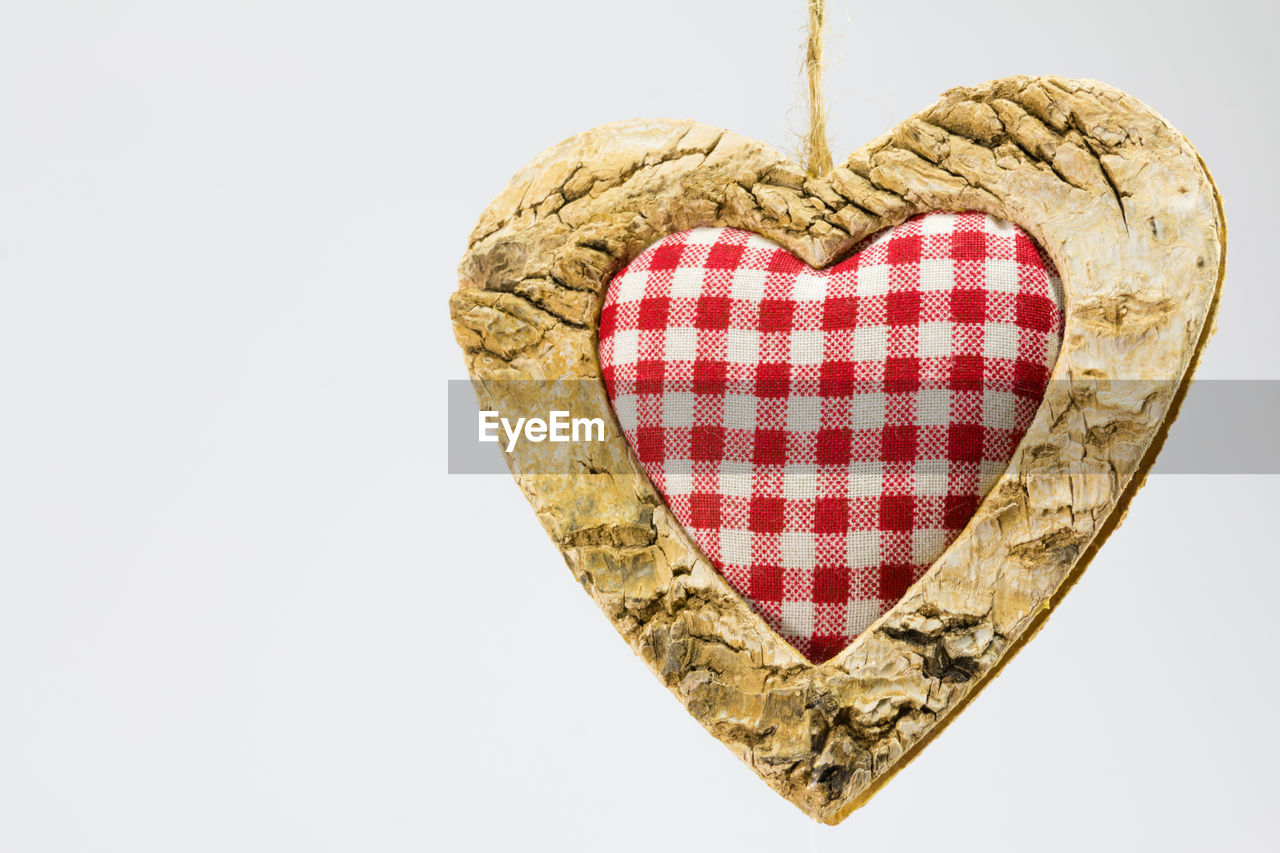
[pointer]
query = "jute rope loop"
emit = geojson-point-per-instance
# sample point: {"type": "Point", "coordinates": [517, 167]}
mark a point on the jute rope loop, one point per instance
{"type": "Point", "coordinates": [816, 150]}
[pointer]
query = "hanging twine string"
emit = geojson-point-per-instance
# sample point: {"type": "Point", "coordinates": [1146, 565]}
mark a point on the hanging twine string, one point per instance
{"type": "Point", "coordinates": [815, 145]}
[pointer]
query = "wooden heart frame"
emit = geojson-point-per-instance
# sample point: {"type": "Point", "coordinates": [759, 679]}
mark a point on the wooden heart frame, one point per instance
{"type": "Point", "coordinates": [1123, 206]}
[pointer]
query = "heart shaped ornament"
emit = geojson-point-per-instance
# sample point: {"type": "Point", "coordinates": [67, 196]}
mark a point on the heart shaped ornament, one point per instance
{"type": "Point", "coordinates": [851, 399]}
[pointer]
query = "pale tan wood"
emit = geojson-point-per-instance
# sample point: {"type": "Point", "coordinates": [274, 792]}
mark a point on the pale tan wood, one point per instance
{"type": "Point", "coordinates": [1128, 213]}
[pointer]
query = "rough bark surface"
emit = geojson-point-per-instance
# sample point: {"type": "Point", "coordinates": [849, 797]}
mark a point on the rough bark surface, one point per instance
{"type": "Point", "coordinates": [1123, 206]}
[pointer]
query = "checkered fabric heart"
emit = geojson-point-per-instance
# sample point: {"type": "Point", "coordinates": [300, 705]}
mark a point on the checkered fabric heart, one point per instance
{"type": "Point", "coordinates": [823, 435]}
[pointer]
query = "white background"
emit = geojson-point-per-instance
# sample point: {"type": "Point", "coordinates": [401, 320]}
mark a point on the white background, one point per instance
{"type": "Point", "coordinates": [242, 606]}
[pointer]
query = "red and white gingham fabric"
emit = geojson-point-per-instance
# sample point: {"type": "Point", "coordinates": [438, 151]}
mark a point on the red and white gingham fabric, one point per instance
{"type": "Point", "coordinates": [824, 434]}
